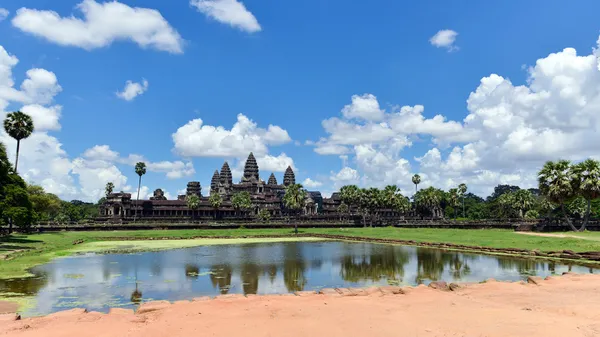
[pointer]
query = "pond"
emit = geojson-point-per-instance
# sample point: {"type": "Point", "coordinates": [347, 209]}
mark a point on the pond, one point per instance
{"type": "Point", "coordinates": [99, 282]}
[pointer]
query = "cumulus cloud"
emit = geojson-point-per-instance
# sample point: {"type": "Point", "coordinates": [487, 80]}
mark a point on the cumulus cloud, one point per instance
{"type": "Point", "coordinates": [3, 14]}
{"type": "Point", "coordinates": [133, 90]}
{"type": "Point", "coordinates": [195, 139]}
{"type": "Point", "coordinates": [42, 158]}
{"type": "Point", "coordinates": [365, 107]}
{"type": "Point", "coordinates": [509, 131]}
{"type": "Point", "coordinates": [231, 12]}
{"type": "Point", "coordinates": [101, 25]}
{"type": "Point", "coordinates": [444, 39]}
{"type": "Point", "coordinates": [309, 183]}
{"type": "Point", "coordinates": [173, 170]}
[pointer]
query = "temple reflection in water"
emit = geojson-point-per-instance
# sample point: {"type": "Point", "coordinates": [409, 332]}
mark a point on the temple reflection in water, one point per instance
{"type": "Point", "coordinates": [98, 282]}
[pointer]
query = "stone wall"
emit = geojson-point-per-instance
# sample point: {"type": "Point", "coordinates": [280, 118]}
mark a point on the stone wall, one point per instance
{"type": "Point", "coordinates": [322, 221]}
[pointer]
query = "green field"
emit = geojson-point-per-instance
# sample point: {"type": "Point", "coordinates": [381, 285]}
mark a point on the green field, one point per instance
{"type": "Point", "coordinates": [18, 253]}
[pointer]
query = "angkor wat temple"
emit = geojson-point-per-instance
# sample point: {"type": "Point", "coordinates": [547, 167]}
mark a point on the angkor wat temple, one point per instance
{"type": "Point", "coordinates": [264, 195]}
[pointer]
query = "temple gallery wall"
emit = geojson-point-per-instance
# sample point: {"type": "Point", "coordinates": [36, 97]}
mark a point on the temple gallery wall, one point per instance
{"type": "Point", "coordinates": [265, 197]}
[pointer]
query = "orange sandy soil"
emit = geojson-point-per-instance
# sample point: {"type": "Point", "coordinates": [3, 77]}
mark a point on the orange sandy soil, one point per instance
{"type": "Point", "coordinates": [559, 306]}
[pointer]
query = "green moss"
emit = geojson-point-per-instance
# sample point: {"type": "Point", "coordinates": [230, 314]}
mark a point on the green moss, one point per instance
{"type": "Point", "coordinates": [24, 303]}
{"type": "Point", "coordinates": [153, 245]}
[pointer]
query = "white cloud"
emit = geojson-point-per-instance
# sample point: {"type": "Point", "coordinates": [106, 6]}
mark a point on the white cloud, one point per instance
{"type": "Point", "coordinates": [198, 140]}
{"type": "Point", "coordinates": [173, 170]}
{"type": "Point", "coordinates": [280, 163]}
{"type": "Point", "coordinates": [101, 25]}
{"type": "Point", "coordinates": [101, 152]}
{"type": "Point", "coordinates": [309, 183]}
{"type": "Point", "coordinates": [444, 39]}
{"type": "Point", "coordinates": [132, 90]}
{"type": "Point", "coordinates": [3, 14]}
{"type": "Point", "coordinates": [365, 107]}
{"type": "Point", "coordinates": [42, 158]}
{"type": "Point", "coordinates": [509, 131]}
{"type": "Point", "coordinates": [231, 12]}
{"type": "Point", "coordinates": [44, 118]}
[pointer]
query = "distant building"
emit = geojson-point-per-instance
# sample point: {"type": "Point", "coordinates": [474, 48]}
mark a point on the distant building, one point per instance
{"type": "Point", "coordinates": [264, 195]}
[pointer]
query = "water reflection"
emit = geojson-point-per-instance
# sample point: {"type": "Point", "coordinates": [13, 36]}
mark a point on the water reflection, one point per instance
{"type": "Point", "coordinates": [220, 277]}
{"type": "Point", "coordinates": [294, 266]}
{"type": "Point", "coordinates": [375, 263]}
{"type": "Point", "coordinates": [99, 282]}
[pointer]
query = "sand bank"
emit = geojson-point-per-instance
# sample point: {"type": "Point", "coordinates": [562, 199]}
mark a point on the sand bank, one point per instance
{"type": "Point", "coordinates": [560, 306]}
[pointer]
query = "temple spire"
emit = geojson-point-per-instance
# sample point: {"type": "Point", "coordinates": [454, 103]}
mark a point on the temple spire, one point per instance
{"type": "Point", "coordinates": [225, 177]}
{"type": "Point", "coordinates": [250, 169]}
{"type": "Point", "coordinates": [289, 178]}
{"type": "Point", "coordinates": [272, 180]}
{"type": "Point", "coordinates": [214, 182]}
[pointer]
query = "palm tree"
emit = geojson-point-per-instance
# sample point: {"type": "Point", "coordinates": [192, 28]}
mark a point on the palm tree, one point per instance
{"type": "Point", "coordinates": [373, 200]}
{"type": "Point", "coordinates": [193, 202]}
{"type": "Point", "coordinates": [453, 199]}
{"type": "Point", "coordinates": [19, 126]}
{"type": "Point", "coordinates": [429, 199]}
{"type": "Point", "coordinates": [588, 178]}
{"type": "Point", "coordinates": [109, 188]}
{"type": "Point", "coordinates": [556, 181]}
{"type": "Point", "coordinates": [507, 204]}
{"type": "Point", "coordinates": [462, 190]}
{"type": "Point", "coordinates": [294, 199]}
{"type": "Point", "coordinates": [350, 195]}
{"type": "Point", "coordinates": [140, 170]}
{"type": "Point", "coordinates": [241, 200]}
{"type": "Point", "coordinates": [215, 201]}
{"type": "Point", "coordinates": [416, 179]}
{"type": "Point", "coordinates": [523, 201]}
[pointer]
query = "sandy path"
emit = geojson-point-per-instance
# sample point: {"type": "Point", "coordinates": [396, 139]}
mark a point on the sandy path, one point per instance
{"type": "Point", "coordinates": [563, 306]}
{"type": "Point", "coordinates": [552, 235]}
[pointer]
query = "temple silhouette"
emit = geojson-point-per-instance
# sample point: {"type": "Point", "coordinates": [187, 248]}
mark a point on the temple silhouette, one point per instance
{"type": "Point", "coordinates": [266, 196]}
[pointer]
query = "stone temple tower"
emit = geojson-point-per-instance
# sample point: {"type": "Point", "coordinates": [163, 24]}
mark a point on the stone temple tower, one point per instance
{"type": "Point", "coordinates": [289, 178]}
{"type": "Point", "coordinates": [272, 180]}
{"type": "Point", "coordinates": [250, 170]}
{"type": "Point", "coordinates": [214, 182]}
{"type": "Point", "coordinates": [225, 176]}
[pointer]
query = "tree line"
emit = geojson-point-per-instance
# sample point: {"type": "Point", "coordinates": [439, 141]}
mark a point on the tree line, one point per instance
{"type": "Point", "coordinates": [566, 191]}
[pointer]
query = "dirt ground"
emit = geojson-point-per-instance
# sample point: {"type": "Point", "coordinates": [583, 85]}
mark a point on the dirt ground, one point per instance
{"type": "Point", "coordinates": [555, 235]}
{"type": "Point", "coordinates": [560, 306]}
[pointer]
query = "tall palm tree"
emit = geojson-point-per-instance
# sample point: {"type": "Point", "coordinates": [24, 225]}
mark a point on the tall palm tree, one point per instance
{"type": "Point", "coordinates": [19, 126]}
{"type": "Point", "coordinates": [429, 199]}
{"type": "Point", "coordinates": [294, 199]}
{"type": "Point", "coordinates": [453, 199]}
{"type": "Point", "coordinates": [109, 188]}
{"type": "Point", "coordinates": [140, 170]}
{"type": "Point", "coordinates": [374, 199]}
{"type": "Point", "coordinates": [241, 201]}
{"type": "Point", "coordinates": [416, 179]}
{"type": "Point", "coordinates": [350, 195]}
{"type": "Point", "coordinates": [556, 181]}
{"type": "Point", "coordinates": [507, 204]}
{"type": "Point", "coordinates": [193, 202]}
{"type": "Point", "coordinates": [462, 190]}
{"type": "Point", "coordinates": [588, 178]}
{"type": "Point", "coordinates": [523, 201]}
{"type": "Point", "coordinates": [215, 201]}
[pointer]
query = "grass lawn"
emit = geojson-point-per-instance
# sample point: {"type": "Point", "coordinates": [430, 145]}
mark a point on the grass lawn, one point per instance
{"type": "Point", "coordinates": [26, 251]}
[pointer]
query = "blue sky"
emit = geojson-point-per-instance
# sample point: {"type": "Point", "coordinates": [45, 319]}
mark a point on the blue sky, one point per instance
{"type": "Point", "coordinates": [296, 65]}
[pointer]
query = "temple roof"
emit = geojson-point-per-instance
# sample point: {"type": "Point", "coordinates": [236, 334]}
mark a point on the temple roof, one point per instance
{"type": "Point", "coordinates": [272, 180]}
{"type": "Point", "coordinates": [226, 177]}
{"type": "Point", "coordinates": [289, 178]}
{"type": "Point", "coordinates": [250, 169]}
{"type": "Point", "coordinates": [214, 182]}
